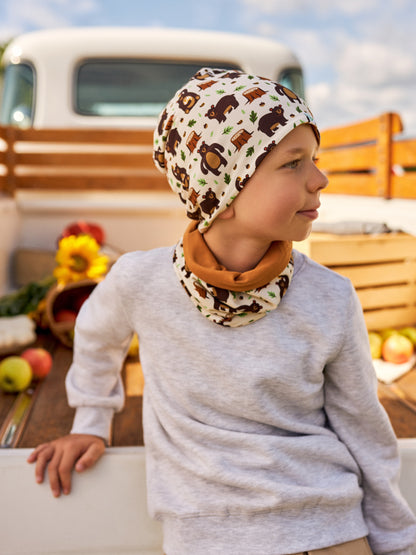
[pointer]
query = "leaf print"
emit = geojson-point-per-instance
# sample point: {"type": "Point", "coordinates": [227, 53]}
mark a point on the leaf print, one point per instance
{"type": "Point", "coordinates": [227, 178]}
{"type": "Point", "coordinates": [192, 122]}
{"type": "Point", "coordinates": [227, 130]}
{"type": "Point", "coordinates": [183, 155]}
{"type": "Point", "coordinates": [250, 151]}
{"type": "Point", "coordinates": [202, 182]}
{"type": "Point", "coordinates": [240, 87]}
{"type": "Point", "coordinates": [220, 91]}
{"type": "Point", "coordinates": [271, 294]}
{"type": "Point", "coordinates": [253, 116]}
{"type": "Point", "coordinates": [275, 98]}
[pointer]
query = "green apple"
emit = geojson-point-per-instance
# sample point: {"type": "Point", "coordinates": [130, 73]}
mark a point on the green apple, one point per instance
{"type": "Point", "coordinates": [15, 374]}
{"type": "Point", "coordinates": [386, 333]}
{"type": "Point", "coordinates": [410, 333]}
{"type": "Point", "coordinates": [376, 341]}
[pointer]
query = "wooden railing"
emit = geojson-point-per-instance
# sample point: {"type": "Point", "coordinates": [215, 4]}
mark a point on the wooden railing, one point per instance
{"type": "Point", "coordinates": [364, 158]}
{"type": "Point", "coordinates": [78, 159]}
{"type": "Point", "coordinates": [367, 158]}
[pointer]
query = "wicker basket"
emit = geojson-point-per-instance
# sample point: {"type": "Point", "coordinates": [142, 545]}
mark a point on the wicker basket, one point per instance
{"type": "Point", "coordinates": [66, 299]}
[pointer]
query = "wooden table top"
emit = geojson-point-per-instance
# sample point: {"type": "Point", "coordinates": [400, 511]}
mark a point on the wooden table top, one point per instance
{"type": "Point", "coordinates": [51, 417]}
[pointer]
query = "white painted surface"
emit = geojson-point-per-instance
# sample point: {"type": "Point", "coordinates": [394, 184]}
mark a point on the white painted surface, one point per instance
{"type": "Point", "coordinates": [106, 511]}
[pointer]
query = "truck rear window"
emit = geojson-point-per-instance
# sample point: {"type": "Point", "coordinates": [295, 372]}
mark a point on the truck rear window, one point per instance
{"type": "Point", "coordinates": [131, 87]}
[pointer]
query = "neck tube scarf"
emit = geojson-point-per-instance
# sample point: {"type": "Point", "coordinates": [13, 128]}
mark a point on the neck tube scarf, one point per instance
{"type": "Point", "coordinates": [230, 298]}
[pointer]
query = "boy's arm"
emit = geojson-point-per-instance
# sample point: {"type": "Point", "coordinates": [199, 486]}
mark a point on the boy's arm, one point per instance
{"type": "Point", "coordinates": [357, 417]}
{"type": "Point", "coordinates": [61, 456]}
{"type": "Point", "coordinates": [94, 387]}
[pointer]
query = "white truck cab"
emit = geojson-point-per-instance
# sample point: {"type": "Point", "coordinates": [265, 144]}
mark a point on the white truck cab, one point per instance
{"type": "Point", "coordinates": [122, 77]}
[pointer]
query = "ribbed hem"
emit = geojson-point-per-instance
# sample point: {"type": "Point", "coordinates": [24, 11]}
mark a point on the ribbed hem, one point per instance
{"type": "Point", "coordinates": [266, 533]}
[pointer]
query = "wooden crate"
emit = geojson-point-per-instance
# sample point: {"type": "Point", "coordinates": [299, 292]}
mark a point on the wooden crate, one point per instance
{"type": "Point", "coordinates": [381, 267]}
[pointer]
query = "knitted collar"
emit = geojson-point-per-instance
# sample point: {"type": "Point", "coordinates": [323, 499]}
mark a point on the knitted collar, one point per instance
{"type": "Point", "coordinates": [232, 298]}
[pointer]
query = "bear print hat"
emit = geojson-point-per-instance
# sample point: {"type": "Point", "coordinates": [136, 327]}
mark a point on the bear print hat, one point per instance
{"type": "Point", "coordinates": [215, 132]}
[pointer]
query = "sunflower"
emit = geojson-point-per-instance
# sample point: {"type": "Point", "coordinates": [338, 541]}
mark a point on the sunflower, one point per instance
{"type": "Point", "coordinates": [78, 258]}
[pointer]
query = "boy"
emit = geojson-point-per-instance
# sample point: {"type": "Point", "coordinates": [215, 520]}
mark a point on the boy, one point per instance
{"type": "Point", "coordinates": [263, 430]}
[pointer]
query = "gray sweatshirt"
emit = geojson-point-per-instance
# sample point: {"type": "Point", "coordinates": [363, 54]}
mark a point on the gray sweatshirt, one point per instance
{"type": "Point", "coordinates": [264, 439]}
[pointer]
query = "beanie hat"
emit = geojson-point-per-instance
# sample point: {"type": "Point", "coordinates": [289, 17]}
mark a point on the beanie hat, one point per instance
{"type": "Point", "coordinates": [216, 130]}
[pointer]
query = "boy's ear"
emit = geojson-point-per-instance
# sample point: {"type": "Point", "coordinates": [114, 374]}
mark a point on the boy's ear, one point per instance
{"type": "Point", "coordinates": [227, 213]}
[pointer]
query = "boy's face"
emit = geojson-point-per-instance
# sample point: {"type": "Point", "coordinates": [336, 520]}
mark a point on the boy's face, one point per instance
{"type": "Point", "coordinates": [280, 200]}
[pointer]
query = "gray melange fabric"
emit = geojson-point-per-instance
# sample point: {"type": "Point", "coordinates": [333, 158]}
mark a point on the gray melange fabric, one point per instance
{"type": "Point", "coordinates": [261, 439]}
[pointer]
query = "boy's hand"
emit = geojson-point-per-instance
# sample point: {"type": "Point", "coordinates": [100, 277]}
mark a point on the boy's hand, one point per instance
{"type": "Point", "coordinates": [79, 451]}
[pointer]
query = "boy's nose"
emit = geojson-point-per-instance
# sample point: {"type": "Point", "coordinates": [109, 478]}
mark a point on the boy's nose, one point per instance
{"type": "Point", "coordinates": [318, 180]}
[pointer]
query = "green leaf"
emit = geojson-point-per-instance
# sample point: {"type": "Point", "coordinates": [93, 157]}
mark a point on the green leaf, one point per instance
{"type": "Point", "coordinates": [192, 122]}
{"type": "Point", "coordinates": [275, 98]}
{"type": "Point", "coordinates": [202, 182]}
{"type": "Point", "coordinates": [271, 294]}
{"type": "Point", "coordinates": [250, 151]}
{"type": "Point", "coordinates": [253, 116]}
{"type": "Point", "coordinates": [227, 178]}
{"type": "Point", "coordinates": [183, 155]}
{"type": "Point", "coordinates": [227, 130]}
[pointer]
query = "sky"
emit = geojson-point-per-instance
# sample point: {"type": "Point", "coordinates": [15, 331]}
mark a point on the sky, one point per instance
{"type": "Point", "coordinates": [358, 56]}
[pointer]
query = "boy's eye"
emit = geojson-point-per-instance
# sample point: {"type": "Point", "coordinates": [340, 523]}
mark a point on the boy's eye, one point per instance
{"type": "Point", "coordinates": [292, 165]}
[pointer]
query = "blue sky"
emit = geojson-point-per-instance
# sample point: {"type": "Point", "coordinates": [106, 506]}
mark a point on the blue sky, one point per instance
{"type": "Point", "coordinates": [359, 56]}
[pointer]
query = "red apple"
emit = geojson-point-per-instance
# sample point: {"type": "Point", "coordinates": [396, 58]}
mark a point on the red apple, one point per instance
{"type": "Point", "coordinates": [40, 361]}
{"type": "Point", "coordinates": [65, 315]}
{"type": "Point", "coordinates": [86, 228]}
{"type": "Point", "coordinates": [397, 349]}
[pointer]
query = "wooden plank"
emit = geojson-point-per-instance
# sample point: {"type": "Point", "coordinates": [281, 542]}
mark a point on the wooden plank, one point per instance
{"type": "Point", "coordinates": [361, 184]}
{"type": "Point", "coordinates": [404, 186]}
{"type": "Point", "coordinates": [404, 152]}
{"type": "Point", "coordinates": [86, 159]}
{"type": "Point", "coordinates": [341, 250]}
{"type": "Point", "coordinates": [145, 180]}
{"type": "Point", "coordinates": [348, 159]}
{"type": "Point", "coordinates": [379, 274]}
{"type": "Point", "coordinates": [389, 296]}
{"type": "Point", "coordinates": [390, 318]}
{"type": "Point", "coordinates": [360, 132]}
{"type": "Point", "coordinates": [97, 136]}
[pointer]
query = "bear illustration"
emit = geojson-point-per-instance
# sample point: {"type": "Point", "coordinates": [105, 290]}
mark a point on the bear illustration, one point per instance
{"type": "Point", "coordinates": [267, 149]}
{"type": "Point", "coordinates": [211, 158]}
{"type": "Point", "coordinates": [271, 121]}
{"type": "Point", "coordinates": [187, 100]}
{"type": "Point", "coordinates": [223, 107]}
{"type": "Point", "coordinates": [280, 89]}
{"type": "Point", "coordinates": [159, 157]}
{"type": "Point", "coordinates": [182, 176]}
{"type": "Point", "coordinates": [209, 202]}
{"type": "Point", "coordinates": [173, 141]}
{"type": "Point", "coordinates": [239, 183]}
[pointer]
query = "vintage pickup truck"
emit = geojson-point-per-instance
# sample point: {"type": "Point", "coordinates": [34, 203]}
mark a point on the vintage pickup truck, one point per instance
{"type": "Point", "coordinates": [76, 145]}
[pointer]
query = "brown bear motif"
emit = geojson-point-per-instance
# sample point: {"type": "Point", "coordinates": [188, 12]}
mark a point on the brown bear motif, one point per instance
{"type": "Point", "coordinates": [159, 157]}
{"type": "Point", "coordinates": [182, 176]}
{"type": "Point", "coordinates": [211, 158]}
{"type": "Point", "coordinates": [223, 107]}
{"type": "Point", "coordinates": [267, 149]}
{"type": "Point", "coordinates": [271, 121]}
{"type": "Point", "coordinates": [173, 141]}
{"type": "Point", "coordinates": [280, 89]}
{"type": "Point", "coordinates": [239, 183]}
{"type": "Point", "coordinates": [209, 202]}
{"type": "Point", "coordinates": [187, 100]}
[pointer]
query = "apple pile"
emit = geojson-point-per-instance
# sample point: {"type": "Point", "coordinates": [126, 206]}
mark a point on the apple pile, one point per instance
{"type": "Point", "coordinates": [396, 346]}
{"type": "Point", "coordinates": [18, 372]}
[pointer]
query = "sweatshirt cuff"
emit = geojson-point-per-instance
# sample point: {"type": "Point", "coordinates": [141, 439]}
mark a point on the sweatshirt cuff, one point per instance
{"type": "Point", "coordinates": [94, 421]}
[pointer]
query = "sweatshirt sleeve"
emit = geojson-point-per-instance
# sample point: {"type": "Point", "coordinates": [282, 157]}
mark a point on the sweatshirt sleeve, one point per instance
{"type": "Point", "coordinates": [357, 417]}
{"type": "Point", "coordinates": [102, 337]}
